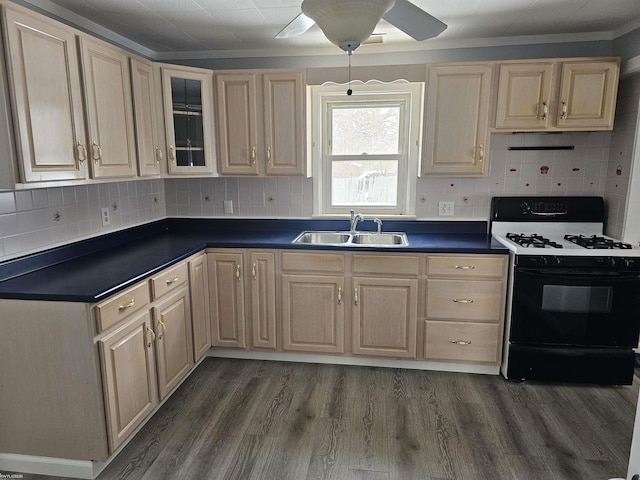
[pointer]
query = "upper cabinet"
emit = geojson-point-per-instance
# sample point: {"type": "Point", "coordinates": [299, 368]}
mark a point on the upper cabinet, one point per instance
{"type": "Point", "coordinates": [260, 121]}
{"type": "Point", "coordinates": [456, 119]}
{"type": "Point", "coordinates": [148, 144]}
{"type": "Point", "coordinates": [109, 105]}
{"type": "Point", "coordinates": [188, 110]}
{"type": "Point", "coordinates": [557, 95]}
{"type": "Point", "coordinates": [43, 67]}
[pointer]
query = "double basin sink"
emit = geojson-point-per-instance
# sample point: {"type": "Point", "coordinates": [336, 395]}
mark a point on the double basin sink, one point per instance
{"type": "Point", "coordinates": [356, 239]}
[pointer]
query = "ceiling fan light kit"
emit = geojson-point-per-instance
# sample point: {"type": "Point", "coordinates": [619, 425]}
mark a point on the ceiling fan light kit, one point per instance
{"type": "Point", "coordinates": [347, 23]}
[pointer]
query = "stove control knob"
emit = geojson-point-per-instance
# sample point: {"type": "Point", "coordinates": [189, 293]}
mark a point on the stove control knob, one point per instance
{"type": "Point", "coordinates": [613, 261]}
{"type": "Point", "coordinates": [557, 260]}
{"type": "Point", "coordinates": [526, 208]}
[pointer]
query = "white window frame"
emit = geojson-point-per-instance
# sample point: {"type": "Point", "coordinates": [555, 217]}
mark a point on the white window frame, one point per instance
{"type": "Point", "coordinates": [408, 94]}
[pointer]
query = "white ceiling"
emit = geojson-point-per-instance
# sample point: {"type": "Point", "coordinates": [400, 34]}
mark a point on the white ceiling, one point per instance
{"type": "Point", "coordinates": [227, 28]}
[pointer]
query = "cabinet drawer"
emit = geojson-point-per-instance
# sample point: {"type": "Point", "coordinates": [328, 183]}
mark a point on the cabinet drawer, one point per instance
{"type": "Point", "coordinates": [467, 266]}
{"type": "Point", "coordinates": [462, 342]}
{"type": "Point", "coordinates": [404, 265]}
{"type": "Point", "coordinates": [457, 300]}
{"type": "Point", "coordinates": [119, 307]}
{"type": "Point", "coordinates": [313, 262]}
{"type": "Point", "coordinates": [170, 279]}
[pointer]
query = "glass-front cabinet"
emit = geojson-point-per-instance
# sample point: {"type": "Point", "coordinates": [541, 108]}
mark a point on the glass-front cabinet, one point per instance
{"type": "Point", "coordinates": [188, 106]}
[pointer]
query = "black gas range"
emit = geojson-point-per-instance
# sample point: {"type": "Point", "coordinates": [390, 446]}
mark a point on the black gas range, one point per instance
{"type": "Point", "coordinates": [573, 312]}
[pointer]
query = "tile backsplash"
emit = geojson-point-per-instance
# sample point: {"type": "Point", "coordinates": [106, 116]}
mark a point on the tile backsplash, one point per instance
{"type": "Point", "coordinates": [32, 220]}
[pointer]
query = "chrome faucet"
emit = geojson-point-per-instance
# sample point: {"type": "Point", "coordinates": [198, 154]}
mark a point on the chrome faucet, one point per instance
{"type": "Point", "coordinates": [355, 218]}
{"type": "Point", "coordinates": [378, 222]}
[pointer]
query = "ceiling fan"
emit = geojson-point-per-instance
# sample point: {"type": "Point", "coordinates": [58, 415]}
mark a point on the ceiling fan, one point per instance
{"type": "Point", "coordinates": [348, 23]}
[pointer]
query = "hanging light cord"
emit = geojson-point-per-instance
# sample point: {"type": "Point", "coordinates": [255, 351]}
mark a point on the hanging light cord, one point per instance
{"type": "Point", "coordinates": [349, 91]}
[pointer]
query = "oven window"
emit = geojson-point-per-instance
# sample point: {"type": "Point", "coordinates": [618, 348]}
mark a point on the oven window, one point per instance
{"type": "Point", "coordinates": [577, 299]}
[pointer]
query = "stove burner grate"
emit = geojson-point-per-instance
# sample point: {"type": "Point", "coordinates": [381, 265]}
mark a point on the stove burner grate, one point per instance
{"type": "Point", "coordinates": [596, 242]}
{"type": "Point", "coordinates": [532, 241]}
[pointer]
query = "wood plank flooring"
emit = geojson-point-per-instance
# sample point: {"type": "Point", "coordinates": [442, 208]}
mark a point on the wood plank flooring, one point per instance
{"type": "Point", "coordinates": [242, 419]}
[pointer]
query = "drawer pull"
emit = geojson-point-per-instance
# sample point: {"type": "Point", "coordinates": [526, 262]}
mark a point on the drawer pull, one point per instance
{"type": "Point", "coordinates": [128, 305]}
{"type": "Point", "coordinates": [464, 267]}
{"type": "Point", "coordinates": [173, 280]}
{"type": "Point", "coordinates": [461, 342]}
{"type": "Point", "coordinates": [463, 300]}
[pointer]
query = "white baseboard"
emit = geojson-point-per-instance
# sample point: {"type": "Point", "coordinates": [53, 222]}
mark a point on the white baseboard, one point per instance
{"type": "Point", "coordinates": [362, 361]}
{"type": "Point", "coordinates": [57, 467]}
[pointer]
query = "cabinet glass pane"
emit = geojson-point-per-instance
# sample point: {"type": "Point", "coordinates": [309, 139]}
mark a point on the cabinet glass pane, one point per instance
{"type": "Point", "coordinates": [189, 157]}
{"type": "Point", "coordinates": [186, 97]}
{"type": "Point", "coordinates": [189, 130]}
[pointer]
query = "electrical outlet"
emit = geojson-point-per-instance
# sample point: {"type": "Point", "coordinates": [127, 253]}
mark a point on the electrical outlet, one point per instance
{"type": "Point", "coordinates": [445, 209]}
{"type": "Point", "coordinates": [106, 217]}
{"type": "Point", "coordinates": [228, 207]}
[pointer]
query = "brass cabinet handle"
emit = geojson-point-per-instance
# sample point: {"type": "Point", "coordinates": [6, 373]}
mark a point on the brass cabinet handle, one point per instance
{"type": "Point", "coordinates": [565, 107]}
{"type": "Point", "coordinates": [172, 154]}
{"type": "Point", "coordinates": [254, 271]}
{"type": "Point", "coordinates": [158, 155]}
{"type": "Point", "coordinates": [269, 155]}
{"type": "Point", "coordinates": [97, 151]}
{"type": "Point", "coordinates": [464, 267]}
{"type": "Point", "coordinates": [164, 329]}
{"type": "Point", "coordinates": [81, 152]}
{"type": "Point", "coordinates": [545, 111]}
{"type": "Point", "coordinates": [128, 305]}
{"type": "Point", "coordinates": [463, 300]}
{"type": "Point", "coordinates": [238, 272]}
{"type": "Point", "coordinates": [172, 280]}
{"type": "Point", "coordinates": [153, 337]}
{"type": "Point", "coordinates": [461, 342]}
{"type": "Point", "coordinates": [253, 155]}
{"type": "Point", "coordinates": [480, 153]}
{"type": "Point", "coordinates": [339, 295]}
{"type": "Point", "coordinates": [355, 296]}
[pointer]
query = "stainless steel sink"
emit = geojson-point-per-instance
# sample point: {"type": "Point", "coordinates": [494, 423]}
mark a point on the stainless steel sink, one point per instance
{"type": "Point", "coordinates": [358, 239]}
{"type": "Point", "coordinates": [323, 238]}
{"type": "Point", "coordinates": [391, 239]}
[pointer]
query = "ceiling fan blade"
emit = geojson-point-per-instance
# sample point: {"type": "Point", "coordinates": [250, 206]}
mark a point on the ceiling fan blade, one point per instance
{"type": "Point", "coordinates": [297, 26]}
{"type": "Point", "coordinates": [414, 21]}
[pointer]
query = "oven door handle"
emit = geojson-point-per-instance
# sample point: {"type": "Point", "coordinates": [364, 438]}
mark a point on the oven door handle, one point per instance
{"type": "Point", "coordinates": [602, 275]}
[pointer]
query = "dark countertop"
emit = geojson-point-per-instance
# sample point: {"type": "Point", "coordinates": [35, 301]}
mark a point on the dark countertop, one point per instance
{"type": "Point", "coordinates": [91, 270]}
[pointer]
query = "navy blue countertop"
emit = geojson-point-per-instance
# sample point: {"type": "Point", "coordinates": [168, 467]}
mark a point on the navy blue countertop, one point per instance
{"type": "Point", "coordinates": [91, 270]}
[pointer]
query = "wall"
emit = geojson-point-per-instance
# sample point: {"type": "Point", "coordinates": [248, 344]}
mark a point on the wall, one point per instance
{"type": "Point", "coordinates": [28, 217]}
{"type": "Point", "coordinates": [579, 171]}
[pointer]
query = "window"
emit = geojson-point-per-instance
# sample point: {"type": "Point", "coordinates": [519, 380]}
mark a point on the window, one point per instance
{"type": "Point", "coordinates": [366, 148]}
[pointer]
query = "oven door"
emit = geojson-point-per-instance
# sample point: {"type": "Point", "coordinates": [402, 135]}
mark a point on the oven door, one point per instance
{"type": "Point", "coordinates": [577, 307]}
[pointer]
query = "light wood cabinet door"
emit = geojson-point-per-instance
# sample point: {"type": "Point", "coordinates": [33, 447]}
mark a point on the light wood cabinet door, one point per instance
{"type": "Point", "coordinates": [188, 119]}
{"type": "Point", "coordinates": [237, 123]}
{"type": "Point", "coordinates": [226, 297]}
{"type": "Point", "coordinates": [199, 291]}
{"type": "Point", "coordinates": [456, 131]}
{"type": "Point", "coordinates": [385, 316]}
{"type": "Point", "coordinates": [129, 377]}
{"type": "Point", "coordinates": [174, 340]}
{"type": "Point", "coordinates": [109, 105]}
{"type": "Point", "coordinates": [263, 299]}
{"type": "Point", "coordinates": [313, 313]}
{"type": "Point", "coordinates": [42, 60]}
{"type": "Point", "coordinates": [588, 95]}
{"type": "Point", "coordinates": [148, 148]}
{"type": "Point", "coordinates": [284, 123]}
{"type": "Point", "coordinates": [524, 96]}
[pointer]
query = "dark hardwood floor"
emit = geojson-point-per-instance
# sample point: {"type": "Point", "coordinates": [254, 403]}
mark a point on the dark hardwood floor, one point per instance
{"type": "Point", "coordinates": [240, 419]}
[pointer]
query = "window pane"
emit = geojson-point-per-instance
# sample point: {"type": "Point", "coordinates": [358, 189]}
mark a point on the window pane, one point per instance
{"type": "Point", "coordinates": [370, 130]}
{"type": "Point", "coordinates": [364, 183]}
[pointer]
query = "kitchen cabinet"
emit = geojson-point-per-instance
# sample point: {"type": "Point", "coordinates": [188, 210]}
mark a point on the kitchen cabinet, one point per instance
{"type": "Point", "coordinates": [109, 109]}
{"type": "Point", "coordinates": [260, 118]}
{"type": "Point", "coordinates": [129, 376]}
{"type": "Point", "coordinates": [188, 112]}
{"type": "Point", "coordinates": [149, 151]}
{"type": "Point", "coordinates": [385, 308]}
{"type": "Point", "coordinates": [465, 301]}
{"type": "Point", "coordinates": [456, 119]}
{"type": "Point", "coordinates": [199, 291]}
{"type": "Point", "coordinates": [312, 302]}
{"type": "Point", "coordinates": [557, 95]}
{"type": "Point", "coordinates": [227, 297]}
{"type": "Point", "coordinates": [262, 289]}
{"type": "Point", "coordinates": [43, 67]}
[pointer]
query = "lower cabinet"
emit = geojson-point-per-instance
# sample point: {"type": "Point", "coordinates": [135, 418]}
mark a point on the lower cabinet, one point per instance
{"type": "Point", "coordinates": [262, 307]}
{"type": "Point", "coordinates": [129, 374]}
{"type": "Point", "coordinates": [199, 292]}
{"type": "Point", "coordinates": [226, 297]}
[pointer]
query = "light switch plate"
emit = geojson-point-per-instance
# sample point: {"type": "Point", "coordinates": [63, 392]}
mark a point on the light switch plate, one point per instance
{"type": "Point", "coordinates": [445, 209]}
